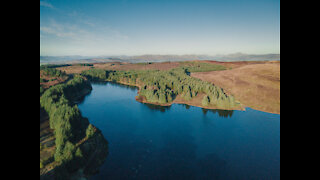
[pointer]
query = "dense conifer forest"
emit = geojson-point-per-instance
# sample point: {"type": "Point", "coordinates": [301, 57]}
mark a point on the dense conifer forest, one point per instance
{"type": "Point", "coordinates": [69, 126]}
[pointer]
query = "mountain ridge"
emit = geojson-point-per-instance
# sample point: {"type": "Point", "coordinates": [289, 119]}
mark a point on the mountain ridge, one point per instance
{"type": "Point", "coordinates": [159, 58]}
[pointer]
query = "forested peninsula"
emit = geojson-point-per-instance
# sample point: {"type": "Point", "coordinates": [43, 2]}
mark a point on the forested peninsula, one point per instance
{"type": "Point", "coordinates": [79, 148]}
{"type": "Point", "coordinates": [170, 86]}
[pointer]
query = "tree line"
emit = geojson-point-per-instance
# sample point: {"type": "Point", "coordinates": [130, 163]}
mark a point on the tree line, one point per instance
{"type": "Point", "coordinates": [52, 72]}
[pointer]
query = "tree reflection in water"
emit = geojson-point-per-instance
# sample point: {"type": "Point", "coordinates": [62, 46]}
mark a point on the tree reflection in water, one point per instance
{"type": "Point", "coordinates": [157, 107]}
{"type": "Point", "coordinates": [221, 113]}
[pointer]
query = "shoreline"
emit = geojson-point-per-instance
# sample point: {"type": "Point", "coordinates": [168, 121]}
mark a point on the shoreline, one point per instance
{"type": "Point", "coordinates": [178, 100]}
{"type": "Point", "coordinates": [138, 98]}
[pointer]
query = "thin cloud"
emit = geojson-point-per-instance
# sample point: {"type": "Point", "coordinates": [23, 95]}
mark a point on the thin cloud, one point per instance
{"type": "Point", "coordinates": [56, 32]}
{"type": "Point", "coordinates": [59, 30]}
{"type": "Point", "coordinates": [46, 4]}
{"type": "Point", "coordinates": [78, 33]}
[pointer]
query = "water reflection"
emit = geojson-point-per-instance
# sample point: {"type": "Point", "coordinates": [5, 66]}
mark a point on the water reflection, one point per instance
{"type": "Point", "coordinates": [133, 88]}
{"type": "Point", "coordinates": [221, 113]}
{"type": "Point", "coordinates": [186, 106]}
{"type": "Point", "coordinates": [157, 107]}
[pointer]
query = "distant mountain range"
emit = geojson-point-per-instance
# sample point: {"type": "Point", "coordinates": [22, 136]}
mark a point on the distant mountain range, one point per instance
{"type": "Point", "coordinates": [158, 58]}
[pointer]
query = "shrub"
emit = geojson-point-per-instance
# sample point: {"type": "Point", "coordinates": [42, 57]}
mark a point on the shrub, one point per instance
{"type": "Point", "coordinates": [90, 131]}
{"type": "Point", "coordinates": [78, 153]}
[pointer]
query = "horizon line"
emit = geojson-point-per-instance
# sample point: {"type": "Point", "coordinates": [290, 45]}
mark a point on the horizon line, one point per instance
{"type": "Point", "coordinates": [218, 54]}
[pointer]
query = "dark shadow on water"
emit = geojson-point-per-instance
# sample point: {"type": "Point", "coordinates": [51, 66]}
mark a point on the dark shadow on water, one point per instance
{"type": "Point", "coordinates": [132, 160]}
{"type": "Point", "coordinates": [176, 159]}
{"type": "Point", "coordinates": [221, 113]}
{"type": "Point", "coordinates": [205, 111]}
{"type": "Point", "coordinates": [157, 107]}
{"type": "Point", "coordinates": [211, 167]}
{"type": "Point", "coordinates": [82, 99]}
{"type": "Point", "coordinates": [186, 106]}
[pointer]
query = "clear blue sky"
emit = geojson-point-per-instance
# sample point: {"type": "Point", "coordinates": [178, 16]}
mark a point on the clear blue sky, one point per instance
{"type": "Point", "coordinates": [136, 27]}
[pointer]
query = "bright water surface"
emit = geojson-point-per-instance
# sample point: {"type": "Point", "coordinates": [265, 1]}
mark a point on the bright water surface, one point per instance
{"type": "Point", "coordinates": [181, 142]}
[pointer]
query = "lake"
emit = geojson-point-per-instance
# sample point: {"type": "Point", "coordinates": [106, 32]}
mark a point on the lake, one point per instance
{"type": "Point", "coordinates": [180, 141]}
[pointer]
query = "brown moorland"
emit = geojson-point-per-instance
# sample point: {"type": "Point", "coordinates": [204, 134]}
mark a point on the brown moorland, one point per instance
{"type": "Point", "coordinates": [120, 66]}
{"type": "Point", "coordinates": [51, 81]}
{"type": "Point", "coordinates": [142, 66]}
{"type": "Point", "coordinates": [73, 69]}
{"type": "Point", "coordinates": [254, 84]}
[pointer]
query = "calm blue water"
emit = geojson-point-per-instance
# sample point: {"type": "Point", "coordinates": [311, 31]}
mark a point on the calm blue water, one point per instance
{"type": "Point", "coordinates": [181, 142]}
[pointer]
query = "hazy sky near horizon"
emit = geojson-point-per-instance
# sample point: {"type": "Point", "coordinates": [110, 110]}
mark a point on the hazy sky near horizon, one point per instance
{"type": "Point", "coordinates": [136, 27]}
